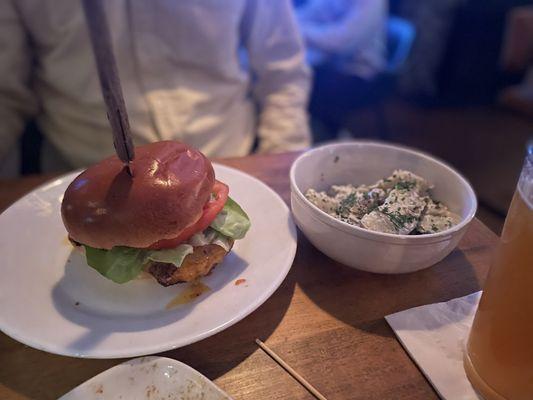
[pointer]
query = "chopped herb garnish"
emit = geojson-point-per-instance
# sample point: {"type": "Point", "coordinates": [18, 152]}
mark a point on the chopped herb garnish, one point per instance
{"type": "Point", "coordinates": [346, 204]}
{"type": "Point", "coordinates": [399, 220]}
{"type": "Point", "coordinates": [372, 208]}
{"type": "Point", "coordinates": [404, 185]}
{"type": "Point", "coordinates": [402, 198]}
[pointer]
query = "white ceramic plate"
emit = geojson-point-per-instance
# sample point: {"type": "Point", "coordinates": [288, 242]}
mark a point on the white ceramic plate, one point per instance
{"type": "Point", "coordinates": [51, 300]}
{"type": "Point", "coordinates": [148, 378]}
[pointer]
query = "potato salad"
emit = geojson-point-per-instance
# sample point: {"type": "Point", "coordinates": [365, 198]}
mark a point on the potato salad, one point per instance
{"type": "Point", "coordinates": [400, 204]}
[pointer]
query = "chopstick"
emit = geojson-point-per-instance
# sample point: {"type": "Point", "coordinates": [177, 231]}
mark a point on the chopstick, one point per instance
{"type": "Point", "coordinates": [290, 370]}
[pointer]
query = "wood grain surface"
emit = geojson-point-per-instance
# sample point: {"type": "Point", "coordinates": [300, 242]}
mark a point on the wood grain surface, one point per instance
{"type": "Point", "coordinates": [325, 320]}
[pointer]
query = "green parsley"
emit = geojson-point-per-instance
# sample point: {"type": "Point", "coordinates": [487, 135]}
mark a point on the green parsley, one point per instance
{"type": "Point", "coordinates": [404, 185]}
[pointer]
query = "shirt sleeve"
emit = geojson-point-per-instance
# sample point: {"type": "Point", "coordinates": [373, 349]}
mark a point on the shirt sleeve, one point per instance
{"type": "Point", "coordinates": [355, 27]}
{"type": "Point", "coordinates": [17, 102]}
{"type": "Point", "coordinates": [281, 80]}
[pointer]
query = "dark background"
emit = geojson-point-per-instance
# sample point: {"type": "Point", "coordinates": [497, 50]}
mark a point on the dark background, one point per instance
{"type": "Point", "coordinates": [446, 97]}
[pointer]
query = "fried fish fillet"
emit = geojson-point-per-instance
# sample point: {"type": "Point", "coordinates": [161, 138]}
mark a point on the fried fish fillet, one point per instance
{"type": "Point", "coordinates": [195, 265]}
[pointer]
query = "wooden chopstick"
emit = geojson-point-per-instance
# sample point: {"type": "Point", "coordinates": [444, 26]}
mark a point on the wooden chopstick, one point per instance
{"type": "Point", "coordinates": [291, 371]}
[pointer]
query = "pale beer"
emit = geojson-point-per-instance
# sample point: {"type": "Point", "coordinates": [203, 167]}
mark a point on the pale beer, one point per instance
{"type": "Point", "coordinates": [499, 356]}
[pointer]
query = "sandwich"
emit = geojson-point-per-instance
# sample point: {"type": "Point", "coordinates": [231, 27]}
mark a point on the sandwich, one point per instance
{"type": "Point", "coordinates": [171, 218]}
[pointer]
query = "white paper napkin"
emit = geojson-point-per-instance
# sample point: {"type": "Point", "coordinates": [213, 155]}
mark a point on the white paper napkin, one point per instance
{"type": "Point", "coordinates": [434, 336]}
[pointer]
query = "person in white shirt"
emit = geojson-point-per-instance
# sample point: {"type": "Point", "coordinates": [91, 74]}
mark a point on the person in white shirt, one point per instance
{"type": "Point", "coordinates": [345, 42]}
{"type": "Point", "coordinates": [182, 70]}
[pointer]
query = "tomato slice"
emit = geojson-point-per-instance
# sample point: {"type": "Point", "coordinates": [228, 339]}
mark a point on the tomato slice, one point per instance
{"type": "Point", "coordinates": [211, 209]}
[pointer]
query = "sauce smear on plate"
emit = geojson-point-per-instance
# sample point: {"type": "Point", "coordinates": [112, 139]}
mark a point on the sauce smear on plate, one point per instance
{"type": "Point", "coordinates": [193, 291]}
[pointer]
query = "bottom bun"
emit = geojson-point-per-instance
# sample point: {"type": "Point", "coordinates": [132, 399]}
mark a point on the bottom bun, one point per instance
{"type": "Point", "coordinates": [195, 265]}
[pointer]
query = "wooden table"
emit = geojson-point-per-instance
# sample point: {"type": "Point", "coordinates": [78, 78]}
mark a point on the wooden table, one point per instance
{"type": "Point", "coordinates": [326, 320]}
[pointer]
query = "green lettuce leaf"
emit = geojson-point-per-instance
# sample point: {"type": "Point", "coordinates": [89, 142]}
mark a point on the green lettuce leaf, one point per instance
{"type": "Point", "coordinates": [170, 256]}
{"type": "Point", "coordinates": [120, 264]}
{"type": "Point", "coordinates": [232, 221]}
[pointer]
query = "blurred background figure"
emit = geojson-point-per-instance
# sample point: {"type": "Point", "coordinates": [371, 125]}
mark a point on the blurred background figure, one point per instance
{"type": "Point", "coordinates": [517, 56]}
{"type": "Point", "coordinates": [216, 75]}
{"type": "Point", "coordinates": [345, 42]}
{"type": "Point", "coordinates": [446, 76]}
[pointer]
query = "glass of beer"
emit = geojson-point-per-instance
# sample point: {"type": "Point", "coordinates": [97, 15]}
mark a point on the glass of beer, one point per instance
{"type": "Point", "coordinates": [499, 354]}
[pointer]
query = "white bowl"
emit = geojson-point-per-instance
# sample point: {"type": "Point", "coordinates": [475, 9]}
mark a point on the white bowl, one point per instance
{"type": "Point", "coordinates": [364, 163]}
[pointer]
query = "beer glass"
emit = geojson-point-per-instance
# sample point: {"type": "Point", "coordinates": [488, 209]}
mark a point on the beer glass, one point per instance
{"type": "Point", "coordinates": [499, 353]}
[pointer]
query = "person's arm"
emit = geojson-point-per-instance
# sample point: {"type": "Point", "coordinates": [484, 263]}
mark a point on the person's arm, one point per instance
{"type": "Point", "coordinates": [281, 80]}
{"type": "Point", "coordinates": [357, 26]}
{"type": "Point", "coordinates": [17, 103]}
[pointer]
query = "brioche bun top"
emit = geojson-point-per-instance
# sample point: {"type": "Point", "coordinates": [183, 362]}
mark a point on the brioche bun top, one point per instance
{"type": "Point", "coordinates": [105, 207]}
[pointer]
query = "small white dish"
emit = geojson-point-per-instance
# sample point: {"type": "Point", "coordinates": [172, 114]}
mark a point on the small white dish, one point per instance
{"type": "Point", "coordinates": [51, 300]}
{"type": "Point", "coordinates": [148, 378]}
{"type": "Point", "coordinates": [362, 162]}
